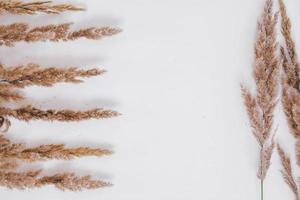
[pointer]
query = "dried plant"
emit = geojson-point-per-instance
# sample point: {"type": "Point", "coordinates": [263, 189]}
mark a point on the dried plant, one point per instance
{"type": "Point", "coordinates": [30, 113]}
{"type": "Point", "coordinates": [13, 79]}
{"type": "Point", "coordinates": [9, 34]}
{"type": "Point", "coordinates": [19, 151]}
{"type": "Point", "coordinates": [18, 7]}
{"type": "Point", "coordinates": [63, 181]}
{"type": "Point", "coordinates": [287, 172]}
{"type": "Point", "coordinates": [260, 107]}
{"type": "Point", "coordinates": [290, 97]}
{"type": "Point", "coordinates": [33, 74]}
{"type": "Point", "coordinates": [290, 79]}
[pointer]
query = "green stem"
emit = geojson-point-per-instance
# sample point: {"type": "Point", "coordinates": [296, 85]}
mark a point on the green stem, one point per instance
{"type": "Point", "coordinates": [262, 189]}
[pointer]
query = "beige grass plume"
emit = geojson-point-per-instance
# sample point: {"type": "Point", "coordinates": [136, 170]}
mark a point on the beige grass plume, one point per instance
{"type": "Point", "coordinates": [17, 32]}
{"type": "Point", "coordinates": [290, 97]}
{"type": "Point", "coordinates": [19, 151]}
{"type": "Point", "coordinates": [290, 79]}
{"type": "Point", "coordinates": [31, 113]}
{"type": "Point", "coordinates": [287, 172]}
{"type": "Point", "coordinates": [63, 181]}
{"type": "Point", "coordinates": [14, 79]}
{"type": "Point", "coordinates": [260, 107]}
{"type": "Point", "coordinates": [33, 74]}
{"type": "Point", "coordinates": [19, 7]}
{"type": "Point", "coordinates": [13, 154]}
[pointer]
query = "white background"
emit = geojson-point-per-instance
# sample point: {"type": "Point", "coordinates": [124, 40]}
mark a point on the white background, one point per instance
{"type": "Point", "coordinates": [174, 73]}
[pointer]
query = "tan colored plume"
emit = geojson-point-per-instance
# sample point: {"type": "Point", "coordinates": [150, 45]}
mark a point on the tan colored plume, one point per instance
{"type": "Point", "coordinates": [13, 79]}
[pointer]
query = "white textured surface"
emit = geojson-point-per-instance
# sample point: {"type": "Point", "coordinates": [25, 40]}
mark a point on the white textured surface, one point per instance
{"type": "Point", "coordinates": [174, 73]}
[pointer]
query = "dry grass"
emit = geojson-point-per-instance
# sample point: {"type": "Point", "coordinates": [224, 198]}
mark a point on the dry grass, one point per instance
{"type": "Point", "coordinates": [19, 7]}
{"type": "Point", "coordinates": [14, 79]}
{"type": "Point", "coordinates": [290, 97]}
{"type": "Point", "coordinates": [260, 107]}
{"type": "Point", "coordinates": [17, 32]}
{"type": "Point", "coordinates": [30, 113]}
{"type": "Point", "coordinates": [12, 151]}
{"type": "Point", "coordinates": [290, 79]}
{"type": "Point", "coordinates": [63, 181]}
{"type": "Point", "coordinates": [33, 74]}
{"type": "Point", "coordinates": [287, 172]}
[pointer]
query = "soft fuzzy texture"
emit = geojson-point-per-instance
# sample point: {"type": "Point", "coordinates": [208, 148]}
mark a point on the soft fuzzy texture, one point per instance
{"type": "Point", "coordinates": [17, 32]}
{"type": "Point", "coordinates": [13, 79]}
{"type": "Point", "coordinates": [260, 107]}
{"type": "Point", "coordinates": [19, 7]}
{"type": "Point", "coordinates": [287, 172]}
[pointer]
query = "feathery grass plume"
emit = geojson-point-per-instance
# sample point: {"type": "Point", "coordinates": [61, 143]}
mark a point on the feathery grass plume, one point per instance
{"type": "Point", "coordinates": [287, 172]}
{"type": "Point", "coordinates": [19, 151]}
{"type": "Point", "coordinates": [290, 98]}
{"type": "Point", "coordinates": [33, 74]}
{"type": "Point", "coordinates": [260, 107]}
{"type": "Point", "coordinates": [63, 181]}
{"type": "Point", "coordinates": [12, 33]}
{"type": "Point", "coordinates": [12, 153]}
{"type": "Point", "coordinates": [30, 113]}
{"type": "Point", "coordinates": [13, 79]}
{"type": "Point", "coordinates": [19, 7]}
{"type": "Point", "coordinates": [290, 79]}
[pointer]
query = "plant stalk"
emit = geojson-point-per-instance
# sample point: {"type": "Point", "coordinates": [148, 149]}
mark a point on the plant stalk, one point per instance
{"type": "Point", "coordinates": [262, 189]}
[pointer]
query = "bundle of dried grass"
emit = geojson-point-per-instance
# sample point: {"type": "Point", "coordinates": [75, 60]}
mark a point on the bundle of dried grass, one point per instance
{"type": "Point", "coordinates": [12, 79]}
{"type": "Point", "coordinates": [260, 107]}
